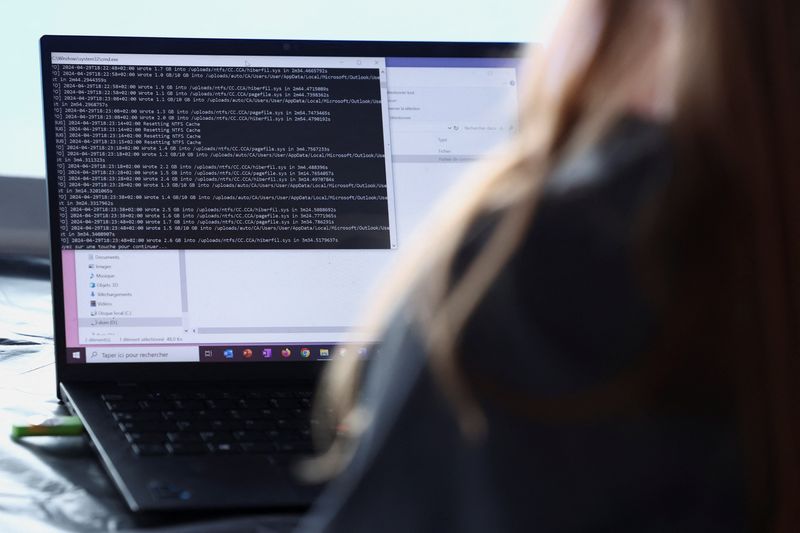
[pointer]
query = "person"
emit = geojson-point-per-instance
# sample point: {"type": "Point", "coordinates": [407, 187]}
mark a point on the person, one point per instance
{"type": "Point", "coordinates": [602, 335]}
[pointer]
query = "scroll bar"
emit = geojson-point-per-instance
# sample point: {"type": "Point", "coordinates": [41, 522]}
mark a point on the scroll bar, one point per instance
{"type": "Point", "coordinates": [184, 294]}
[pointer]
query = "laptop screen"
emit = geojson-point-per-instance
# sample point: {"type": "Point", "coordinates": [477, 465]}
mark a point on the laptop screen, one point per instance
{"type": "Point", "coordinates": [242, 208]}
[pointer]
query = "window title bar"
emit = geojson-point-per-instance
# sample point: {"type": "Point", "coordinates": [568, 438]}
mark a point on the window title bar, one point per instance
{"type": "Point", "coordinates": [176, 60]}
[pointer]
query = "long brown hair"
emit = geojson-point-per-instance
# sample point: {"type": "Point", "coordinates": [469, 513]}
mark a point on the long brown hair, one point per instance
{"type": "Point", "coordinates": [732, 232]}
{"type": "Point", "coordinates": [722, 248]}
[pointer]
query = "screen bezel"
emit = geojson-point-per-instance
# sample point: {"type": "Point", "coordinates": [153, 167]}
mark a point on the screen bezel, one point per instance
{"type": "Point", "coordinates": [142, 372]}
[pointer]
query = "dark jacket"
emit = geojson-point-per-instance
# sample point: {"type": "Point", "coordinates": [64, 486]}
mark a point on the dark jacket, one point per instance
{"type": "Point", "coordinates": [566, 313]}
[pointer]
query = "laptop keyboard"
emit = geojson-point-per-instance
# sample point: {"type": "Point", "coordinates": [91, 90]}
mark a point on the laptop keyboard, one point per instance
{"type": "Point", "coordinates": [275, 423]}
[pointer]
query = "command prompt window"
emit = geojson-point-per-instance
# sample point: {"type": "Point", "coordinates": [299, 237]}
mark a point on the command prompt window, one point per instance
{"type": "Point", "coordinates": [204, 154]}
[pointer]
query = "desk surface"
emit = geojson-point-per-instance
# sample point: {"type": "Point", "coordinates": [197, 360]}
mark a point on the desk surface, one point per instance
{"type": "Point", "coordinates": [55, 483]}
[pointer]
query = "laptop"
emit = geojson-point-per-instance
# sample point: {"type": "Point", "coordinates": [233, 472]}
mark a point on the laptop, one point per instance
{"type": "Point", "coordinates": [220, 210]}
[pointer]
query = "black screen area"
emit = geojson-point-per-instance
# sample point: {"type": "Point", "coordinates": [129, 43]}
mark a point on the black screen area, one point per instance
{"type": "Point", "coordinates": [186, 157]}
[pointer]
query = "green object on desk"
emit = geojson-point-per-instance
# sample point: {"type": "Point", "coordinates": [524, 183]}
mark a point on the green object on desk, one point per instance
{"type": "Point", "coordinates": [54, 426]}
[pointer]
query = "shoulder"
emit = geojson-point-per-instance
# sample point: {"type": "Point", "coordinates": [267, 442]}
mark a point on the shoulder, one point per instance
{"type": "Point", "coordinates": [593, 205]}
{"type": "Point", "coordinates": [605, 188]}
{"type": "Point", "coordinates": [572, 294]}
{"type": "Point", "coordinates": [599, 192]}
{"type": "Point", "coordinates": [631, 146]}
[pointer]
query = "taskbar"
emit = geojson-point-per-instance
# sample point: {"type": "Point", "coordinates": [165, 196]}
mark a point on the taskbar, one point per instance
{"type": "Point", "coordinates": [241, 353]}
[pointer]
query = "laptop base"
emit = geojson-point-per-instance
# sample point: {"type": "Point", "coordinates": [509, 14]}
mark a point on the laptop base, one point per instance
{"type": "Point", "coordinates": [230, 480]}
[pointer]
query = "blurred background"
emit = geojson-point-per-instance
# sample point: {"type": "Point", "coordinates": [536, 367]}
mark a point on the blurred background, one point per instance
{"type": "Point", "coordinates": [22, 166]}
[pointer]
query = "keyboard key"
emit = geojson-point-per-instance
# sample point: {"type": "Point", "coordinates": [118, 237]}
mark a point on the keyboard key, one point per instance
{"type": "Point", "coordinates": [287, 447]}
{"type": "Point", "coordinates": [226, 425]}
{"type": "Point", "coordinates": [209, 414]}
{"type": "Point", "coordinates": [146, 438]}
{"type": "Point", "coordinates": [193, 425]}
{"type": "Point", "coordinates": [258, 425]}
{"type": "Point", "coordinates": [244, 414]}
{"type": "Point", "coordinates": [146, 427]}
{"type": "Point", "coordinates": [257, 447]}
{"type": "Point", "coordinates": [112, 397]}
{"type": "Point", "coordinates": [122, 405]}
{"type": "Point", "coordinates": [187, 448]}
{"type": "Point", "coordinates": [136, 416]}
{"type": "Point", "coordinates": [149, 449]}
{"type": "Point", "coordinates": [216, 436]}
{"type": "Point", "coordinates": [285, 403]}
{"type": "Point", "coordinates": [220, 404]}
{"type": "Point", "coordinates": [224, 447]}
{"type": "Point", "coordinates": [146, 396]}
{"type": "Point", "coordinates": [153, 405]}
{"type": "Point", "coordinates": [184, 437]}
{"type": "Point", "coordinates": [255, 403]}
{"type": "Point", "coordinates": [195, 405]}
{"type": "Point", "coordinates": [292, 424]}
{"type": "Point", "coordinates": [250, 436]}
